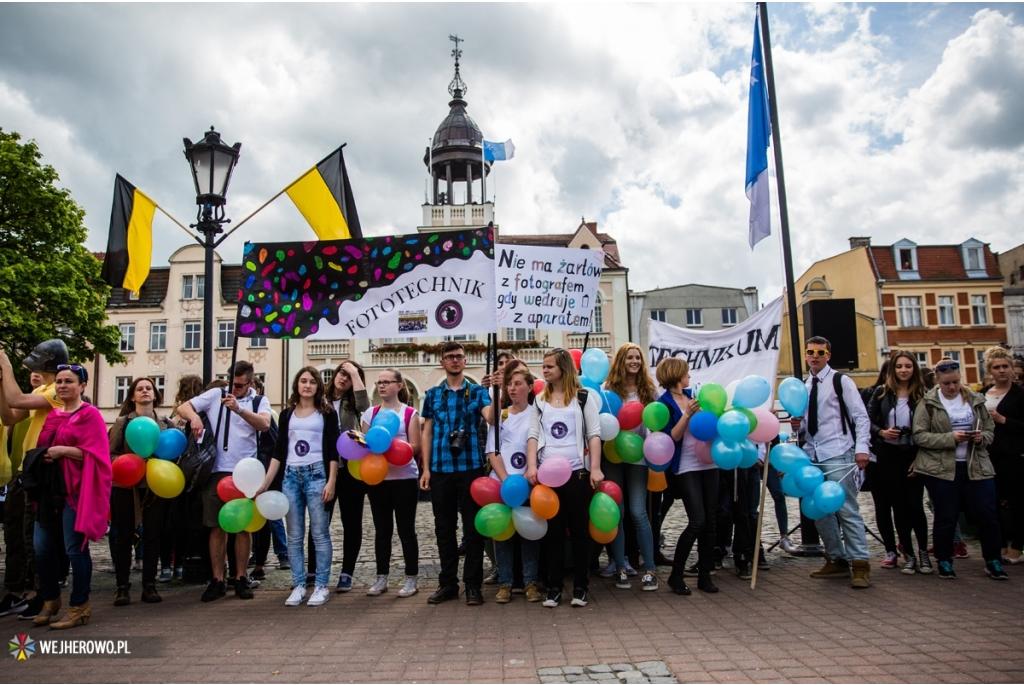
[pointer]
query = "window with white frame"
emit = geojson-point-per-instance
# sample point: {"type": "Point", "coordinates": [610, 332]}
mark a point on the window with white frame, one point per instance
{"type": "Point", "coordinates": [974, 258]}
{"type": "Point", "coordinates": [728, 317]}
{"type": "Point", "coordinates": [225, 334]}
{"type": "Point", "coordinates": [258, 341]}
{"type": "Point", "coordinates": [193, 287]}
{"type": "Point", "coordinates": [979, 309]}
{"type": "Point", "coordinates": [520, 334]}
{"type": "Point", "coordinates": [459, 338]}
{"type": "Point", "coordinates": [694, 317]}
{"type": "Point", "coordinates": [910, 311]}
{"type": "Point", "coordinates": [132, 295]}
{"type": "Point", "coordinates": [327, 375]}
{"type": "Point", "coordinates": [597, 319]}
{"type": "Point", "coordinates": [127, 337]}
{"type": "Point", "coordinates": [158, 336]}
{"type": "Point", "coordinates": [121, 384]}
{"type": "Point", "coordinates": [947, 312]}
{"type": "Point", "coordinates": [158, 381]}
{"type": "Point", "coordinates": [952, 354]}
{"type": "Point", "coordinates": [658, 315]}
{"type": "Point", "coordinates": [908, 260]}
{"type": "Point", "coordinates": [921, 357]}
{"type": "Point", "coordinates": [193, 339]}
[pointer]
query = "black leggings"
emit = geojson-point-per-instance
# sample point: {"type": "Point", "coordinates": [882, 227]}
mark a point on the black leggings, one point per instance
{"type": "Point", "coordinates": [122, 511]}
{"type": "Point", "coordinates": [881, 497]}
{"type": "Point", "coordinates": [395, 501]}
{"type": "Point", "coordinates": [351, 497]}
{"type": "Point", "coordinates": [574, 514]}
{"type": "Point", "coordinates": [699, 492]}
{"type": "Point", "coordinates": [905, 494]}
{"type": "Point", "coordinates": [1010, 487]}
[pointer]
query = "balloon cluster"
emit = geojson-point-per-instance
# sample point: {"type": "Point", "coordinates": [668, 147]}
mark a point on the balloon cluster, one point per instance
{"type": "Point", "coordinates": [818, 497]}
{"type": "Point", "coordinates": [370, 455]}
{"type": "Point", "coordinates": [240, 512]}
{"type": "Point", "coordinates": [503, 511]}
{"type": "Point", "coordinates": [733, 419]}
{"type": "Point", "coordinates": [604, 512]}
{"type": "Point", "coordinates": [162, 475]}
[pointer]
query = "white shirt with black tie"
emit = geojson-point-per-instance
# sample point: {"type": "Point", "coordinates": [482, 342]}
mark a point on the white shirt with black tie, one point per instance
{"type": "Point", "coordinates": [829, 442]}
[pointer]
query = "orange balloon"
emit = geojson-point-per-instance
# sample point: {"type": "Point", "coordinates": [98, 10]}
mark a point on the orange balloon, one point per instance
{"type": "Point", "coordinates": [509, 531]}
{"type": "Point", "coordinates": [544, 501]}
{"type": "Point", "coordinates": [656, 481]}
{"type": "Point", "coordinates": [373, 468]}
{"type": "Point", "coordinates": [353, 469]}
{"type": "Point", "coordinates": [601, 536]}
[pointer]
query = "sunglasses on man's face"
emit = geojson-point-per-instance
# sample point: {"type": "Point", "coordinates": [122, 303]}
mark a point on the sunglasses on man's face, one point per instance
{"type": "Point", "coordinates": [239, 386]}
{"type": "Point", "coordinates": [944, 368]}
{"type": "Point", "coordinates": [815, 353]}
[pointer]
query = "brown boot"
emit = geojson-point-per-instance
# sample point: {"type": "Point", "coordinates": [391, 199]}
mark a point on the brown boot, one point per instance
{"type": "Point", "coordinates": [123, 597]}
{"type": "Point", "coordinates": [861, 573]}
{"type": "Point", "coordinates": [532, 593]}
{"type": "Point", "coordinates": [51, 609]}
{"type": "Point", "coordinates": [149, 593]}
{"type": "Point", "coordinates": [74, 616]}
{"type": "Point", "coordinates": [504, 595]}
{"type": "Point", "coordinates": [840, 568]}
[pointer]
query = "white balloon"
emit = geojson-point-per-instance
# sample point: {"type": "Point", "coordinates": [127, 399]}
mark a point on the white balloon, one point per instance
{"type": "Point", "coordinates": [248, 476]}
{"type": "Point", "coordinates": [609, 427]}
{"type": "Point", "coordinates": [730, 390]}
{"type": "Point", "coordinates": [272, 504]}
{"type": "Point", "coordinates": [528, 524]}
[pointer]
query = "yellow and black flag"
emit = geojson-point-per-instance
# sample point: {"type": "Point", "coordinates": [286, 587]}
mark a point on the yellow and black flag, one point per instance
{"type": "Point", "coordinates": [130, 243]}
{"type": "Point", "coordinates": [324, 197]}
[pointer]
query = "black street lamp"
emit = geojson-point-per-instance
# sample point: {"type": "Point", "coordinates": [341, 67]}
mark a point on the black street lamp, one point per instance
{"type": "Point", "coordinates": [211, 162]}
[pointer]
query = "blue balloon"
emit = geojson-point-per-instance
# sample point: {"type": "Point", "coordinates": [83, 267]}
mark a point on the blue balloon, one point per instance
{"type": "Point", "coordinates": [658, 468]}
{"type": "Point", "coordinates": [378, 439]}
{"type": "Point", "coordinates": [810, 508]}
{"type": "Point", "coordinates": [830, 497]}
{"type": "Point", "coordinates": [172, 443]}
{"type": "Point", "coordinates": [594, 364]}
{"type": "Point", "coordinates": [752, 392]}
{"type": "Point", "coordinates": [783, 437]}
{"type": "Point", "coordinates": [787, 457]}
{"type": "Point", "coordinates": [749, 454]}
{"type": "Point", "coordinates": [704, 426]}
{"type": "Point", "coordinates": [793, 396]}
{"type": "Point", "coordinates": [726, 454]}
{"type": "Point", "coordinates": [515, 490]}
{"type": "Point", "coordinates": [389, 420]}
{"type": "Point", "coordinates": [789, 486]}
{"type": "Point", "coordinates": [808, 478]}
{"type": "Point", "coordinates": [596, 394]}
{"type": "Point", "coordinates": [612, 402]}
{"type": "Point", "coordinates": [733, 426]}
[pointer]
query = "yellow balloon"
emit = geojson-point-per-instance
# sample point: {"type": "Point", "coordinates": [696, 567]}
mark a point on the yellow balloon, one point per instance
{"type": "Point", "coordinates": [164, 478]}
{"type": "Point", "coordinates": [610, 453]}
{"type": "Point", "coordinates": [257, 521]}
{"type": "Point", "coordinates": [353, 468]}
{"type": "Point", "coordinates": [509, 531]}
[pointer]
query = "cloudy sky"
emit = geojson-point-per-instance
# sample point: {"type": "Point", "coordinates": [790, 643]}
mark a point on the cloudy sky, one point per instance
{"type": "Point", "coordinates": [897, 120]}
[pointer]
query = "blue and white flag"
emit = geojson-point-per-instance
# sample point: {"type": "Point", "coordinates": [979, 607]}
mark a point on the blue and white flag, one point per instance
{"type": "Point", "coordinates": [499, 152]}
{"type": "Point", "coordinates": [758, 133]}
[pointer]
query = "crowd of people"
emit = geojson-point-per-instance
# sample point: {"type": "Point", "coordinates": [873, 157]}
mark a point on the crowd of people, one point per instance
{"type": "Point", "coordinates": [910, 433]}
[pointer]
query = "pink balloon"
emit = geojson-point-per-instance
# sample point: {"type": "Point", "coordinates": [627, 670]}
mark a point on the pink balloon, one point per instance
{"type": "Point", "coordinates": [767, 426]}
{"type": "Point", "coordinates": [704, 452]}
{"type": "Point", "coordinates": [352, 446]}
{"type": "Point", "coordinates": [659, 448]}
{"type": "Point", "coordinates": [554, 472]}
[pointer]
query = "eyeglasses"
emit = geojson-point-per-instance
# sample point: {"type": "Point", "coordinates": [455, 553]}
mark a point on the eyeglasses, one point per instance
{"type": "Point", "coordinates": [816, 353]}
{"type": "Point", "coordinates": [240, 386]}
{"type": "Point", "coordinates": [383, 382]}
{"type": "Point", "coordinates": [70, 367]}
{"type": "Point", "coordinates": [454, 357]}
{"type": "Point", "coordinates": [949, 366]}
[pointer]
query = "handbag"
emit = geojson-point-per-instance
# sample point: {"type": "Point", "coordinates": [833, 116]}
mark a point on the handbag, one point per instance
{"type": "Point", "coordinates": [196, 462]}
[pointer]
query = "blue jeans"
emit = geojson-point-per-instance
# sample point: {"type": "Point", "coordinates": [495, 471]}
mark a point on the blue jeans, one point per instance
{"type": "Point", "coordinates": [853, 544]}
{"type": "Point", "coordinates": [48, 541]}
{"type": "Point", "coordinates": [978, 498]}
{"type": "Point", "coordinates": [304, 487]}
{"type": "Point", "coordinates": [531, 558]}
{"type": "Point", "coordinates": [632, 479]}
{"type": "Point", "coordinates": [779, 498]}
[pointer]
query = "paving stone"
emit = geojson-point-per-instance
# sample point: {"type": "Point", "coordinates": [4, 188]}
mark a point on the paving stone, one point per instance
{"type": "Point", "coordinates": [572, 670]}
{"type": "Point", "coordinates": [553, 679]}
{"type": "Point", "coordinates": [660, 670]}
{"type": "Point", "coordinates": [576, 678]}
{"type": "Point", "coordinates": [662, 679]}
{"type": "Point", "coordinates": [549, 671]}
{"type": "Point", "coordinates": [622, 667]}
{"type": "Point", "coordinates": [642, 665]}
{"type": "Point", "coordinates": [599, 668]}
{"type": "Point", "coordinates": [603, 676]}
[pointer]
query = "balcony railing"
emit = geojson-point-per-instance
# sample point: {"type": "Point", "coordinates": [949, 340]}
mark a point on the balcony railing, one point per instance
{"type": "Point", "coordinates": [328, 349]}
{"type": "Point", "coordinates": [602, 341]}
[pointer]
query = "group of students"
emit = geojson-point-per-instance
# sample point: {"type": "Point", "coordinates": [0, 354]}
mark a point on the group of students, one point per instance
{"type": "Point", "coordinates": [964, 447]}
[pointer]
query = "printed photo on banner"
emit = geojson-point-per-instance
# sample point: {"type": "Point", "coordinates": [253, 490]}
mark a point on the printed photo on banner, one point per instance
{"type": "Point", "coordinates": [731, 354]}
{"type": "Point", "coordinates": [552, 288]}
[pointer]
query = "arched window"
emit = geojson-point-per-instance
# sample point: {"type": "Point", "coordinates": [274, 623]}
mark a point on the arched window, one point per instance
{"type": "Point", "coordinates": [597, 320]}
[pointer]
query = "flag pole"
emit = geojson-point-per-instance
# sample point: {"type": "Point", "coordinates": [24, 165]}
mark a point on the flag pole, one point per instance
{"type": "Point", "coordinates": [483, 171]}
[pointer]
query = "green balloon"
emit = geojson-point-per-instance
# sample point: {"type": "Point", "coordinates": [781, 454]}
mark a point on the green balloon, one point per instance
{"type": "Point", "coordinates": [713, 398]}
{"type": "Point", "coordinates": [630, 447]}
{"type": "Point", "coordinates": [656, 416]}
{"type": "Point", "coordinates": [142, 435]}
{"type": "Point", "coordinates": [604, 512]}
{"type": "Point", "coordinates": [493, 519]}
{"type": "Point", "coordinates": [235, 515]}
{"type": "Point", "coordinates": [750, 416]}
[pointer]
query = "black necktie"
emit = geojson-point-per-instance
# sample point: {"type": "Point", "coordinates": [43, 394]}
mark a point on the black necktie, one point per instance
{"type": "Point", "coordinates": [812, 408]}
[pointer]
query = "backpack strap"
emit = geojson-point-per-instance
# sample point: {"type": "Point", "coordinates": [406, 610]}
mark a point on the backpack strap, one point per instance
{"type": "Point", "coordinates": [409, 411]}
{"type": "Point", "coordinates": [837, 385]}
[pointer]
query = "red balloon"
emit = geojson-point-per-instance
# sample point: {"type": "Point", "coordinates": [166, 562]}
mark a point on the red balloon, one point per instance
{"type": "Point", "coordinates": [485, 490]}
{"type": "Point", "coordinates": [611, 489]}
{"type": "Point", "coordinates": [538, 386]}
{"type": "Point", "coordinates": [630, 415]}
{"type": "Point", "coordinates": [129, 469]}
{"type": "Point", "coordinates": [576, 355]}
{"type": "Point", "coordinates": [227, 490]}
{"type": "Point", "coordinates": [400, 453]}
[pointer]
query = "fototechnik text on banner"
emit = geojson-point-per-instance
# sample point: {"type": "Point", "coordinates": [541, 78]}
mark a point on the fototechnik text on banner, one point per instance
{"type": "Point", "coordinates": [750, 348]}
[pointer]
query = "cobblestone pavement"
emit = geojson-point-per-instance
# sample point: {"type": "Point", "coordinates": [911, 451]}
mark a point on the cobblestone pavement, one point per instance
{"type": "Point", "coordinates": [790, 629]}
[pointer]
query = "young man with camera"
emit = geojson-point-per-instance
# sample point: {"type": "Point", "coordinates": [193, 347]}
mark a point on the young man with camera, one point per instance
{"type": "Point", "coordinates": [452, 459]}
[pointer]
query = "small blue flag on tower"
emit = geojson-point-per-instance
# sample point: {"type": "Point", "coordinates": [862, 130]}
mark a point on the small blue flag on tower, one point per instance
{"type": "Point", "coordinates": [499, 152]}
{"type": "Point", "coordinates": [758, 133]}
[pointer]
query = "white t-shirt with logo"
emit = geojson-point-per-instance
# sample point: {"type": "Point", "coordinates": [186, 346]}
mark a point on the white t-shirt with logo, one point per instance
{"type": "Point", "coordinates": [962, 417]}
{"type": "Point", "coordinates": [410, 470]}
{"type": "Point", "coordinates": [306, 440]}
{"type": "Point", "coordinates": [241, 437]}
{"type": "Point", "coordinates": [515, 430]}
{"type": "Point", "coordinates": [559, 426]}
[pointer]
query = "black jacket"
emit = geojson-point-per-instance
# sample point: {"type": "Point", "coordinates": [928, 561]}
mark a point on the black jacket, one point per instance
{"type": "Point", "coordinates": [878, 412]}
{"type": "Point", "coordinates": [1009, 440]}
{"type": "Point", "coordinates": [330, 443]}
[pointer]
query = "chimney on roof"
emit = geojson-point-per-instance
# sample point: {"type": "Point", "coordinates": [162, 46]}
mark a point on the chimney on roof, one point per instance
{"type": "Point", "coordinates": [860, 242]}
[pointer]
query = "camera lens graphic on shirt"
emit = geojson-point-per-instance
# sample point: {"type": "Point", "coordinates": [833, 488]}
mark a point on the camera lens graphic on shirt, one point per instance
{"type": "Point", "coordinates": [559, 430]}
{"type": "Point", "coordinates": [518, 460]}
{"type": "Point", "coordinates": [301, 448]}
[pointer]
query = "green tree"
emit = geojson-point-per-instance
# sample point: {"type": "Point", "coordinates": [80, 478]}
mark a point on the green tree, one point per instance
{"type": "Point", "coordinates": [50, 283]}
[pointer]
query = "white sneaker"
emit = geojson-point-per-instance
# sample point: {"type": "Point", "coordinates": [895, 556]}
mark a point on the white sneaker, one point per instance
{"type": "Point", "coordinates": [295, 599]}
{"type": "Point", "coordinates": [410, 588]}
{"type": "Point", "coordinates": [380, 586]}
{"type": "Point", "coordinates": [320, 596]}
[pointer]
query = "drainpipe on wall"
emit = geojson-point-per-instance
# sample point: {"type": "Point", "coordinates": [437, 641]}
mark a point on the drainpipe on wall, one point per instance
{"type": "Point", "coordinates": [878, 290]}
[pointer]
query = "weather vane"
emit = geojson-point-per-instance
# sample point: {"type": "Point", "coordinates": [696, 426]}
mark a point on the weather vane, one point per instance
{"type": "Point", "coordinates": [457, 88]}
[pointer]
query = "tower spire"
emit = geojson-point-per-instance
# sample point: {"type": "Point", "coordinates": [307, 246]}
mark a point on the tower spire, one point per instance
{"type": "Point", "coordinates": [457, 88]}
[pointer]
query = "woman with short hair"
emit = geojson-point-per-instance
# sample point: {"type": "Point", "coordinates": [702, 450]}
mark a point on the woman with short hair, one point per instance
{"type": "Point", "coordinates": [1005, 403]}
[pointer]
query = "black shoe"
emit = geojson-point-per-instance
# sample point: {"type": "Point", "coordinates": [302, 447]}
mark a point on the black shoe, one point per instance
{"type": "Point", "coordinates": [554, 598]}
{"type": "Point", "coordinates": [123, 597]}
{"type": "Point", "coordinates": [444, 593]}
{"type": "Point", "coordinates": [742, 569]}
{"type": "Point", "coordinates": [259, 575]}
{"type": "Point", "coordinates": [678, 585]}
{"type": "Point", "coordinates": [705, 584]}
{"type": "Point", "coordinates": [462, 548]}
{"type": "Point", "coordinates": [12, 604]}
{"type": "Point", "coordinates": [252, 561]}
{"type": "Point", "coordinates": [995, 571]}
{"type": "Point", "coordinates": [32, 609]}
{"type": "Point", "coordinates": [762, 563]}
{"type": "Point", "coordinates": [282, 563]}
{"type": "Point", "coordinates": [242, 589]}
{"type": "Point", "coordinates": [579, 597]}
{"type": "Point", "coordinates": [694, 571]}
{"type": "Point", "coordinates": [150, 595]}
{"type": "Point", "coordinates": [215, 589]}
{"type": "Point", "coordinates": [474, 597]}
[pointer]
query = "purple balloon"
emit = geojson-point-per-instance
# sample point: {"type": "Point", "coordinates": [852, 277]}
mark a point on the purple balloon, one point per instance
{"type": "Point", "coordinates": [352, 446]}
{"type": "Point", "coordinates": [554, 472]}
{"type": "Point", "coordinates": [659, 448]}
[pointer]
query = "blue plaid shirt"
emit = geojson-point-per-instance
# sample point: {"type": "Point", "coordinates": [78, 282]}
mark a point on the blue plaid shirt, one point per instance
{"type": "Point", "coordinates": [455, 410]}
